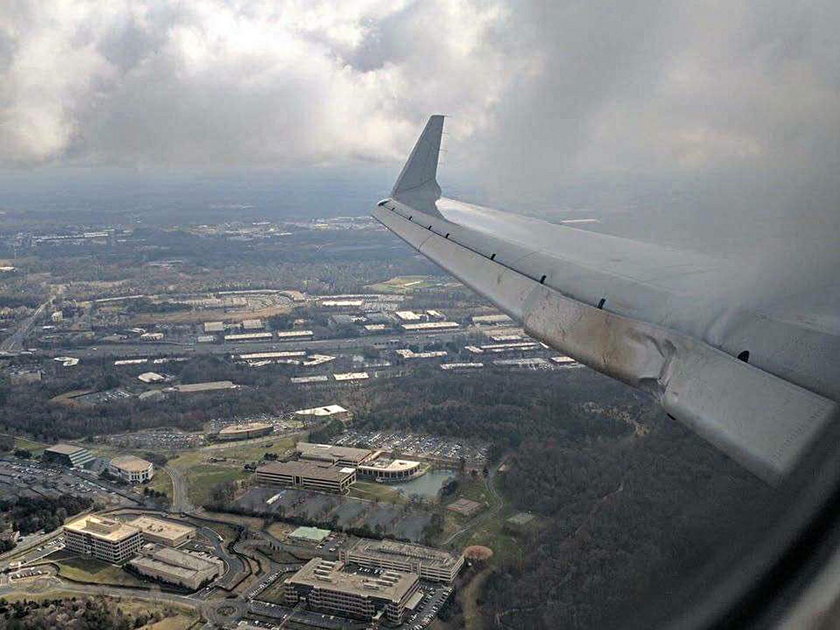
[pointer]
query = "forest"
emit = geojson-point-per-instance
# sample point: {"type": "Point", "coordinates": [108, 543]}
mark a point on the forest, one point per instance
{"type": "Point", "coordinates": [34, 514]}
{"type": "Point", "coordinates": [31, 409]}
{"type": "Point", "coordinates": [93, 613]}
{"type": "Point", "coordinates": [631, 503]}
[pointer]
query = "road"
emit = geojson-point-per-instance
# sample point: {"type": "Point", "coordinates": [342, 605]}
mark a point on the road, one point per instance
{"type": "Point", "coordinates": [14, 342]}
{"type": "Point", "coordinates": [180, 497]}
{"type": "Point", "coordinates": [140, 350]}
{"type": "Point", "coordinates": [28, 551]}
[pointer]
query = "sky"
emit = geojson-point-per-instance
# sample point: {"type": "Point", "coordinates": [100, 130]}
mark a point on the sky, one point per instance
{"type": "Point", "coordinates": [681, 111]}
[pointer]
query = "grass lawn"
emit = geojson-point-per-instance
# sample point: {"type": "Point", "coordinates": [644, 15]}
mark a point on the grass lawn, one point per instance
{"type": "Point", "coordinates": [491, 533]}
{"type": "Point", "coordinates": [253, 450]}
{"type": "Point", "coordinates": [186, 459]}
{"type": "Point", "coordinates": [273, 593]}
{"type": "Point", "coordinates": [203, 477]}
{"type": "Point", "coordinates": [469, 598]}
{"type": "Point", "coordinates": [161, 482]}
{"type": "Point", "coordinates": [253, 522]}
{"type": "Point", "coordinates": [181, 621]}
{"type": "Point", "coordinates": [372, 491]}
{"type": "Point", "coordinates": [95, 571]}
{"type": "Point", "coordinates": [280, 530]}
{"type": "Point", "coordinates": [36, 448]}
{"type": "Point", "coordinates": [404, 284]}
{"type": "Point", "coordinates": [183, 618]}
{"type": "Point", "coordinates": [473, 489]}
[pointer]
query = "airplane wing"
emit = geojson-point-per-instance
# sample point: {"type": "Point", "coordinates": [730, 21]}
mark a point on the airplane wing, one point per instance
{"type": "Point", "coordinates": [759, 383]}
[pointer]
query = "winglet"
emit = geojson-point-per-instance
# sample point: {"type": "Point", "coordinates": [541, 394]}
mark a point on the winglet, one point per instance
{"type": "Point", "coordinates": [417, 184]}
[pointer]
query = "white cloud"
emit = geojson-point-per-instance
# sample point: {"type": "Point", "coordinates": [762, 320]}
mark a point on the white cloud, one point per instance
{"type": "Point", "coordinates": [211, 82]}
{"type": "Point", "coordinates": [534, 89]}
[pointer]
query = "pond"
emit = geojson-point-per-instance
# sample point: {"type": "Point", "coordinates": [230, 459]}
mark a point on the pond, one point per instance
{"type": "Point", "coordinates": [427, 485]}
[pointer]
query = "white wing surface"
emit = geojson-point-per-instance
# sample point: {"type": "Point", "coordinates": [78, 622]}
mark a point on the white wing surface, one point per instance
{"type": "Point", "coordinates": [758, 383]}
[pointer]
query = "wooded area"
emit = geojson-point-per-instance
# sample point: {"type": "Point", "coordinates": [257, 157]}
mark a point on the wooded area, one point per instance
{"type": "Point", "coordinates": [633, 504]}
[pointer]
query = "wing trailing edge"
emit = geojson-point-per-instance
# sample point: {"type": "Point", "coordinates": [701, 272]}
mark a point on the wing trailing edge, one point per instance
{"type": "Point", "coordinates": [760, 419]}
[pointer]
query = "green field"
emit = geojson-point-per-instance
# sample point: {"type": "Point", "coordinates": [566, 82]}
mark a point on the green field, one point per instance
{"type": "Point", "coordinates": [506, 543]}
{"type": "Point", "coordinates": [252, 450]}
{"type": "Point", "coordinates": [376, 491]}
{"type": "Point", "coordinates": [182, 619]}
{"type": "Point", "coordinates": [161, 482]}
{"type": "Point", "coordinates": [404, 284]}
{"type": "Point", "coordinates": [36, 448]}
{"type": "Point", "coordinates": [95, 571]}
{"type": "Point", "coordinates": [203, 477]}
{"type": "Point", "coordinates": [274, 593]}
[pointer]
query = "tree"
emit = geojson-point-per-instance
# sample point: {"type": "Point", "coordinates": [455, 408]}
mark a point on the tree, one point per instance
{"type": "Point", "coordinates": [222, 494]}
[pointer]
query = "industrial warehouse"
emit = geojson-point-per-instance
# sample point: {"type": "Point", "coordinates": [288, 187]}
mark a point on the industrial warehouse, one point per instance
{"type": "Point", "coordinates": [328, 586]}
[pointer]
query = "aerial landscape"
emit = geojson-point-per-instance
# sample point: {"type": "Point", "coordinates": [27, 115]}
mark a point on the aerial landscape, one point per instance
{"type": "Point", "coordinates": [264, 365]}
{"type": "Point", "coordinates": [280, 354]}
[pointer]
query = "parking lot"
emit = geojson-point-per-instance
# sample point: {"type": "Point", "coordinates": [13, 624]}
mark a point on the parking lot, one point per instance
{"type": "Point", "coordinates": [31, 480]}
{"type": "Point", "coordinates": [424, 446]}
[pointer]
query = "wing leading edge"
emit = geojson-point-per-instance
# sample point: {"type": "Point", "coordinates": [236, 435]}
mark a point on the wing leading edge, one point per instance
{"type": "Point", "coordinates": [630, 321]}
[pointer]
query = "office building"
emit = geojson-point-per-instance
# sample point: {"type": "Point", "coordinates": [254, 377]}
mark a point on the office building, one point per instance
{"type": "Point", "coordinates": [67, 455]}
{"type": "Point", "coordinates": [388, 469]}
{"type": "Point", "coordinates": [337, 455]}
{"type": "Point", "coordinates": [327, 586]}
{"type": "Point", "coordinates": [308, 475]}
{"type": "Point", "coordinates": [131, 469]}
{"type": "Point", "coordinates": [431, 564]}
{"type": "Point", "coordinates": [181, 568]}
{"type": "Point", "coordinates": [244, 431]}
{"type": "Point", "coordinates": [164, 532]}
{"type": "Point", "coordinates": [104, 538]}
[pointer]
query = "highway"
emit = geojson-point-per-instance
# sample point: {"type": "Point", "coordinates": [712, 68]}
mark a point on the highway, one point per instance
{"type": "Point", "coordinates": [142, 350]}
{"type": "Point", "coordinates": [14, 342]}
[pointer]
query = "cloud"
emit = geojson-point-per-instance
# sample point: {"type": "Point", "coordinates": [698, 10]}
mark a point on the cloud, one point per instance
{"type": "Point", "coordinates": [213, 83]}
{"type": "Point", "coordinates": [539, 92]}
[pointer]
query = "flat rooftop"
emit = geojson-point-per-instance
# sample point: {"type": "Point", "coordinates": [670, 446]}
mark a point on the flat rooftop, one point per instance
{"type": "Point", "coordinates": [313, 534]}
{"type": "Point", "coordinates": [306, 469]}
{"type": "Point", "coordinates": [161, 527]}
{"type": "Point", "coordinates": [246, 427]}
{"type": "Point", "coordinates": [205, 387]}
{"type": "Point", "coordinates": [130, 463]}
{"type": "Point", "coordinates": [327, 574]}
{"type": "Point", "coordinates": [165, 560]}
{"type": "Point", "coordinates": [391, 465]}
{"type": "Point", "coordinates": [391, 549]}
{"type": "Point", "coordinates": [64, 449]}
{"type": "Point", "coordinates": [326, 410]}
{"type": "Point", "coordinates": [101, 527]}
{"type": "Point", "coordinates": [328, 452]}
